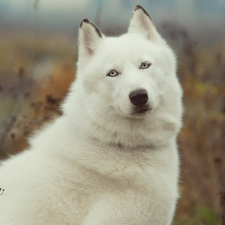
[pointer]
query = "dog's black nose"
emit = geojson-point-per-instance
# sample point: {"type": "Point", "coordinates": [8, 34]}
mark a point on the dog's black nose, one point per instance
{"type": "Point", "coordinates": [139, 97]}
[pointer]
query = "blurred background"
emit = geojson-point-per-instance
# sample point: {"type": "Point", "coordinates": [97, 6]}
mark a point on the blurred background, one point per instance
{"type": "Point", "coordinates": [38, 51]}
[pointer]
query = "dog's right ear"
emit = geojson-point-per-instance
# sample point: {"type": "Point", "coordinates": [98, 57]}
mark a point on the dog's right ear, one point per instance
{"type": "Point", "coordinates": [89, 38]}
{"type": "Point", "coordinates": [141, 23]}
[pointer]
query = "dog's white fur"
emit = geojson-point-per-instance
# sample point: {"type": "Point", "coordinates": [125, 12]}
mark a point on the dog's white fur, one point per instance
{"type": "Point", "coordinates": [101, 163]}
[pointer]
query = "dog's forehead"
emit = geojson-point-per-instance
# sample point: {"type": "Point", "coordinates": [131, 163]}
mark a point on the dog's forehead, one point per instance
{"type": "Point", "coordinates": [127, 41]}
{"type": "Point", "coordinates": [128, 46]}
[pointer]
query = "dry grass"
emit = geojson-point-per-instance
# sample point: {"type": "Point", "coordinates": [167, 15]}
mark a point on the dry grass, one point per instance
{"type": "Point", "coordinates": [34, 78]}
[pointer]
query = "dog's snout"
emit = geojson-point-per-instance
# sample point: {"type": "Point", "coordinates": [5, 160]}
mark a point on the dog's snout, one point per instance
{"type": "Point", "coordinates": [139, 97]}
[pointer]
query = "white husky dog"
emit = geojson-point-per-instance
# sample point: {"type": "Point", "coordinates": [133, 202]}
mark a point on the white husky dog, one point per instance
{"type": "Point", "coordinates": [112, 158]}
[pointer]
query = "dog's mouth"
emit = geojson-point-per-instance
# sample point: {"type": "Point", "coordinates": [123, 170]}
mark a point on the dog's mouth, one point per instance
{"type": "Point", "coordinates": [141, 110]}
{"type": "Point", "coordinates": [137, 112]}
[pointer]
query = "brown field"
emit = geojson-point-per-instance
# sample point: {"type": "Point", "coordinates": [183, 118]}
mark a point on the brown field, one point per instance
{"type": "Point", "coordinates": [36, 71]}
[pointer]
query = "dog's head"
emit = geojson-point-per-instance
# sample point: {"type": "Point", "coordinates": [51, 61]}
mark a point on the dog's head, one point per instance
{"type": "Point", "coordinates": [131, 77]}
{"type": "Point", "coordinates": [130, 72]}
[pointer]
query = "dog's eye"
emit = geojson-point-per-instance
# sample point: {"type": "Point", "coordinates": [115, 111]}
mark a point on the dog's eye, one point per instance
{"type": "Point", "coordinates": [113, 73]}
{"type": "Point", "coordinates": [145, 65]}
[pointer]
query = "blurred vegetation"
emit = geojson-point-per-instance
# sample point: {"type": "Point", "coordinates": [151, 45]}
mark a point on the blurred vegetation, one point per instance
{"type": "Point", "coordinates": [36, 71]}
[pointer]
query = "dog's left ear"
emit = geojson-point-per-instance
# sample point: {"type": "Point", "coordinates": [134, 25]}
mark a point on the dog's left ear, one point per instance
{"type": "Point", "coordinates": [89, 38]}
{"type": "Point", "coordinates": [141, 23]}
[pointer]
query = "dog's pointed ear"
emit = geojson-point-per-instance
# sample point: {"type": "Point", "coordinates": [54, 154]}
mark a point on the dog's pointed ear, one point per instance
{"type": "Point", "coordinates": [141, 23]}
{"type": "Point", "coordinates": [89, 38]}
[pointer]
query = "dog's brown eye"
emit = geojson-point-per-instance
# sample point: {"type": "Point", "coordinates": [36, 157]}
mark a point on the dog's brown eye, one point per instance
{"type": "Point", "coordinates": [113, 73]}
{"type": "Point", "coordinates": [144, 65]}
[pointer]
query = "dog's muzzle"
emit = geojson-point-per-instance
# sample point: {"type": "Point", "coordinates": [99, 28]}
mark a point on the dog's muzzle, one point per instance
{"type": "Point", "coordinates": [139, 97]}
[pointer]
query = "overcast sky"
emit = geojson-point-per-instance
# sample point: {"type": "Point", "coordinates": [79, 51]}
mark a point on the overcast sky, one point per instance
{"type": "Point", "coordinates": [199, 16]}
